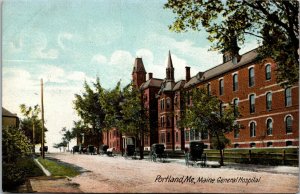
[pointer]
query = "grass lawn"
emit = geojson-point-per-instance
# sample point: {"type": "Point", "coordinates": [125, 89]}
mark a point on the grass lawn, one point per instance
{"type": "Point", "coordinates": [58, 169]}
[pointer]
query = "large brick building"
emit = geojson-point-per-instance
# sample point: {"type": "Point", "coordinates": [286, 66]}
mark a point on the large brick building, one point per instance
{"type": "Point", "coordinates": [268, 112]}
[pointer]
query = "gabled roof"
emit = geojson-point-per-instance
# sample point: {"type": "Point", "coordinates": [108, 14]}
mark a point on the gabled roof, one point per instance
{"type": "Point", "coordinates": [138, 65]}
{"type": "Point", "coordinates": [153, 82]}
{"type": "Point", "coordinates": [6, 113]}
{"type": "Point", "coordinates": [222, 68]}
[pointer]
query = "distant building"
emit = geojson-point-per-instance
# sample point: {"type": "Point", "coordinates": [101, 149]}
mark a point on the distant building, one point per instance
{"type": "Point", "coordinates": [268, 112]}
{"type": "Point", "coordinates": [9, 119]}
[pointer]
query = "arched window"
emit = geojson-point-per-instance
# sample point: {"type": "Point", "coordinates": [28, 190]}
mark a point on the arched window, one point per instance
{"type": "Point", "coordinates": [268, 72]}
{"type": "Point", "coordinates": [235, 106]}
{"type": "Point", "coordinates": [251, 77]}
{"type": "Point", "coordinates": [252, 129]}
{"type": "Point", "coordinates": [208, 88]}
{"type": "Point", "coordinates": [235, 82]}
{"type": "Point", "coordinates": [221, 86]}
{"type": "Point", "coordinates": [252, 103]}
{"type": "Point", "coordinates": [168, 121]}
{"type": "Point", "coordinates": [269, 127]}
{"type": "Point", "coordinates": [288, 96]}
{"type": "Point", "coordinates": [269, 101]}
{"type": "Point", "coordinates": [288, 124]}
{"type": "Point", "coordinates": [168, 103]}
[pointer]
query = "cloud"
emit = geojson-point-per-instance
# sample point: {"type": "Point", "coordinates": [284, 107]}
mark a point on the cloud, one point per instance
{"type": "Point", "coordinates": [99, 59]}
{"type": "Point", "coordinates": [121, 58]}
{"type": "Point", "coordinates": [201, 57]}
{"type": "Point", "coordinates": [146, 55]}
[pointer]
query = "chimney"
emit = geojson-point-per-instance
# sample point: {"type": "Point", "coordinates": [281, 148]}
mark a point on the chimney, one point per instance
{"type": "Point", "coordinates": [187, 74]}
{"type": "Point", "coordinates": [150, 75]}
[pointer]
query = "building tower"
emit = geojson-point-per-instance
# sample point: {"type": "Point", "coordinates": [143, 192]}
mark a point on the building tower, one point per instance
{"type": "Point", "coordinates": [138, 73]}
{"type": "Point", "coordinates": [170, 69]}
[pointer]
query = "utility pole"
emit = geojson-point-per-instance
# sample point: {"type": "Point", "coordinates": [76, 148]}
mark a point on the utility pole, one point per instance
{"type": "Point", "coordinates": [42, 104]}
{"type": "Point", "coordinates": [33, 134]}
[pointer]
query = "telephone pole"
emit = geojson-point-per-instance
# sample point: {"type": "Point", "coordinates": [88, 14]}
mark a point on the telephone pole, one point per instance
{"type": "Point", "coordinates": [42, 105]}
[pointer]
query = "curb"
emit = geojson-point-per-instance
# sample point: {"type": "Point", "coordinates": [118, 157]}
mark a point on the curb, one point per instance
{"type": "Point", "coordinates": [46, 172]}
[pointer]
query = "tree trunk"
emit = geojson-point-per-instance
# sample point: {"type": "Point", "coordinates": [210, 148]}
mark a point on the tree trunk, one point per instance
{"type": "Point", "coordinates": [220, 149]}
{"type": "Point", "coordinates": [141, 146]}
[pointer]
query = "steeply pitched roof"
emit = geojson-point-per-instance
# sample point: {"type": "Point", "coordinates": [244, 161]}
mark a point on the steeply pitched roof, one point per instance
{"type": "Point", "coordinates": [153, 82]}
{"type": "Point", "coordinates": [170, 63]}
{"type": "Point", "coordinates": [138, 65]}
{"type": "Point", "coordinates": [6, 113]}
{"type": "Point", "coordinates": [222, 68]}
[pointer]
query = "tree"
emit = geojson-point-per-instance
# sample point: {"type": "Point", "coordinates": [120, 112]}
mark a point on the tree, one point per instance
{"type": "Point", "coordinates": [274, 23]}
{"type": "Point", "coordinates": [206, 116]}
{"type": "Point", "coordinates": [31, 124]}
{"type": "Point", "coordinates": [90, 110]}
{"type": "Point", "coordinates": [67, 136]}
{"type": "Point", "coordinates": [134, 116]}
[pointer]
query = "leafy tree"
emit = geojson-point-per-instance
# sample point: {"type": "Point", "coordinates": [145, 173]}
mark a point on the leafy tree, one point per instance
{"type": "Point", "coordinates": [31, 123]}
{"type": "Point", "coordinates": [205, 116]}
{"type": "Point", "coordinates": [274, 23]}
{"type": "Point", "coordinates": [90, 110]}
{"type": "Point", "coordinates": [67, 136]}
{"type": "Point", "coordinates": [15, 144]}
{"type": "Point", "coordinates": [134, 116]}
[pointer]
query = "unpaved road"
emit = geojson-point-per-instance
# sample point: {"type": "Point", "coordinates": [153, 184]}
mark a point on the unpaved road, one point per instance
{"type": "Point", "coordinates": [116, 174]}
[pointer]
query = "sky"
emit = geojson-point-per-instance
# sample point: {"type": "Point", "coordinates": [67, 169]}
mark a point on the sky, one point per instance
{"type": "Point", "coordinates": [66, 42]}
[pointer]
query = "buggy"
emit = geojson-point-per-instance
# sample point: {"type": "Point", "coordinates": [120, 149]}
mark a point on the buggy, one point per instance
{"type": "Point", "coordinates": [103, 149]}
{"type": "Point", "coordinates": [92, 149]}
{"type": "Point", "coordinates": [130, 151]}
{"type": "Point", "coordinates": [195, 155]}
{"type": "Point", "coordinates": [75, 149]}
{"type": "Point", "coordinates": [157, 151]}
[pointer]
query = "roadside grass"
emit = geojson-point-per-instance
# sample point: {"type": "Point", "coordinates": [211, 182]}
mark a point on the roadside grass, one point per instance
{"type": "Point", "coordinates": [58, 169]}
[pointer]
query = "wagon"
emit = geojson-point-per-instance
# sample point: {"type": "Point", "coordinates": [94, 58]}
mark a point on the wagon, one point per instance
{"type": "Point", "coordinates": [158, 151]}
{"type": "Point", "coordinates": [195, 155]}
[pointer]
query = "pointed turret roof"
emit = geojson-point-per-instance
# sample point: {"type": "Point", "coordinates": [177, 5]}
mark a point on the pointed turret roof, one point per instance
{"type": "Point", "coordinates": [170, 63]}
{"type": "Point", "coordinates": [138, 65]}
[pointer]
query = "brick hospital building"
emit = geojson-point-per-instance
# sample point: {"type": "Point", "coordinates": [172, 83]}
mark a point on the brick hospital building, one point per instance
{"type": "Point", "coordinates": [269, 112]}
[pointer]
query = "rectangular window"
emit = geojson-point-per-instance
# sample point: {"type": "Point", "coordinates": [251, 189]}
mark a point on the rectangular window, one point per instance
{"type": "Point", "coordinates": [177, 136]}
{"type": "Point", "coordinates": [252, 103]}
{"type": "Point", "coordinates": [221, 86]}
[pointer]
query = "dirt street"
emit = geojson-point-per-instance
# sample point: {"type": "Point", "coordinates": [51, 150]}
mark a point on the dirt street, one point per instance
{"type": "Point", "coordinates": [116, 174]}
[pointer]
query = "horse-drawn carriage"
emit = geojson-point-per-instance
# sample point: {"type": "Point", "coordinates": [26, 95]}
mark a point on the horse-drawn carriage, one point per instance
{"type": "Point", "coordinates": [157, 151]}
{"type": "Point", "coordinates": [130, 151]}
{"type": "Point", "coordinates": [195, 155]}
